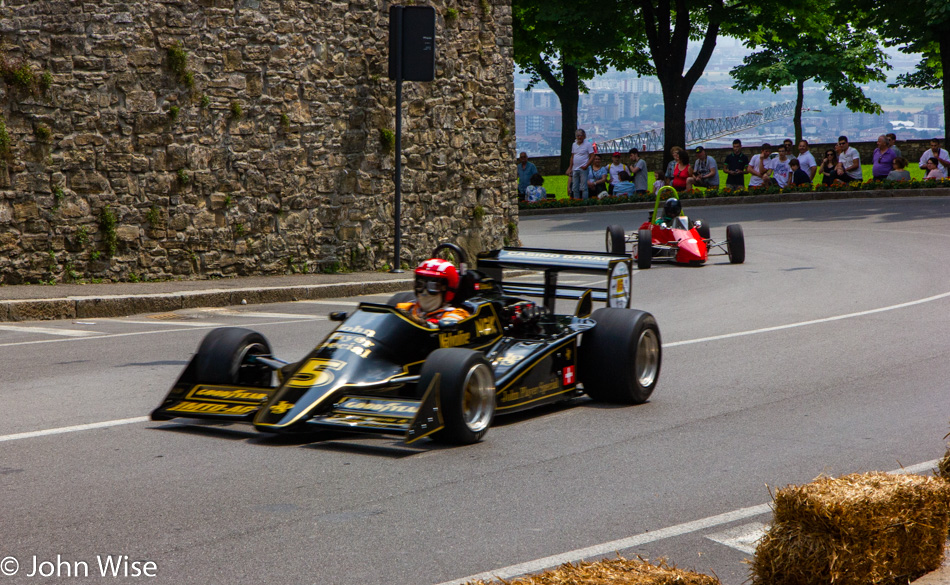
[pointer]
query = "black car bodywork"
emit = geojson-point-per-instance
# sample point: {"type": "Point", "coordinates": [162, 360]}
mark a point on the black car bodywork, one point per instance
{"type": "Point", "coordinates": [380, 371]}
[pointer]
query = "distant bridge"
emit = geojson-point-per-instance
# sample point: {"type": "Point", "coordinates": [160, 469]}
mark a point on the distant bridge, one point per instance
{"type": "Point", "coordinates": [702, 130]}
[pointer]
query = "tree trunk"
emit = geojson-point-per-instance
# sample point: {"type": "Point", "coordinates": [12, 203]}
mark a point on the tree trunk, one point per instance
{"type": "Point", "coordinates": [945, 63]}
{"type": "Point", "coordinates": [799, 101]}
{"type": "Point", "coordinates": [674, 120]}
{"type": "Point", "coordinates": [569, 96]}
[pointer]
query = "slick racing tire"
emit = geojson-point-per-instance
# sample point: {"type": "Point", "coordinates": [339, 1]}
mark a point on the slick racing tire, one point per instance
{"type": "Point", "coordinates": [222, 358]}
{"type": "Point", "coordinates": [466, 393]}
{"type": "Point", "coordinates": [619, 359]}
{"type": "Point", "coordinates": [401, 297]}
{"type": "Point", "coordinates": [735, 244]}
{"type": "Point", "coordinates": [644, 249]}
{"type": "Point", "coordinates": [703, 229]}
{"type": "Point", "coordinates": [616, 243]}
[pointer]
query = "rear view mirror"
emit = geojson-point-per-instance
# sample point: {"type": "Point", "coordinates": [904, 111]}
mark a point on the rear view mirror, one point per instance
{"type": "Point", "coordinates": [338, 316]}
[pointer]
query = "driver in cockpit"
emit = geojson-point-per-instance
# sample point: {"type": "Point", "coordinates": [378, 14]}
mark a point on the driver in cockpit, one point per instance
{"type": "Point", "coordinates": [436, 284]}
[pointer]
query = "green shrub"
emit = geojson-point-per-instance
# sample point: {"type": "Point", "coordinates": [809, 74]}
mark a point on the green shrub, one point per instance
{"type": "Point", "coordinates": [107, 223]}
{"type": "Point", "coordinates": [451, 15]}
{"type": "Point", "coordinates": [154, 216]}
{"type": "Point", "coordinates": [387, 139]}
{"type": "Point", "coordinates": [173, 113]}
{"type": "Point", "coordinates": [42, 132]}
{"type": "Point", "coordinates": [237, 112]}
{"type": "Point", "coordinates": [183, 178]}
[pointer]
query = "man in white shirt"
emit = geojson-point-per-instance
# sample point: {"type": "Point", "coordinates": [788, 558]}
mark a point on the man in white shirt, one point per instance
{"type": "Point", "coordinates": [806, 160]}
{"type": "Point", "coordinates": [760, 167]}
{"type": "Point", "coordinates": [943, 159]}
{"type": "Point", "coordinates": [850, 160]}
{"type": "Point", "coordinates": [582, 152]}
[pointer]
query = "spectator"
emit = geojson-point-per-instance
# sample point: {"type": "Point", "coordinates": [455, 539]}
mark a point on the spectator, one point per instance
{"type": "Point", "coordinates": [526, 170]}
{"type": "Point", "coordinates": [581, 154]}
{"type": "Point", "coordinates": [681, 171]}
{"type": "Point", "coordinates": [736, 163]}
{"type": "Point", "coordinates": [597, 178]}
{"type": "Point", "coordinates": [781, 170]}
{"type": "Point", "coordinates": [535, 191]}
{"type": "Point", "coordinates": [850, 160]}
{"type": "Point", "coordinates": [883, 159]}
{"type": "Point", "coordinates": [799, 177]}
{"type": "Point", "coordinates": [829, 169]}
{"type": "Point", "coordinates": [933, 170]}
{"type": "Point", "coordinates": [705, 171]}
{"type": "Point", "coordinates": [613, 172]}
{"type": "Point", "coordinates": [789, 147]}
{"type": "Point", "coordinates": [806, 159]}
{"type": "Point", "coordinates": [668, 175]}
{"type": "Point", "coordinates": [892, 142]}
{"type": "Point", "coordinates": [624, 186]}
{"type": "Point", "coordinates": [899, 173]}
{"type": "Point", "coordinates": [760, 167]}
{"type": "Point", "coordinates": [943, 159]}
{"type": "Point", "coordinates": [638, 170]}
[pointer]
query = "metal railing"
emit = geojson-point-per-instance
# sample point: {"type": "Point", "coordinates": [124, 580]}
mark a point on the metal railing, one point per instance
{"type": "Point", "coordinates": [701, 130]}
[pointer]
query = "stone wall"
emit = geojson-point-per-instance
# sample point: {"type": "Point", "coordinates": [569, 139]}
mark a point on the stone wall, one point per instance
{"type": "Point", "coordinates": [202, 138]}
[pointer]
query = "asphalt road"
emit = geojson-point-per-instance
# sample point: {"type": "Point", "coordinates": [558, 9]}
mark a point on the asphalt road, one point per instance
{"type": "Point", "coordinates": [826, 352]}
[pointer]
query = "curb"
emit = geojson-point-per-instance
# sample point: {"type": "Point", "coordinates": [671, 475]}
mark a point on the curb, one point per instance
{"type": "Point", "coordinates": [86, 307]}
{"type": "Point", "coordinates": [749, 199]}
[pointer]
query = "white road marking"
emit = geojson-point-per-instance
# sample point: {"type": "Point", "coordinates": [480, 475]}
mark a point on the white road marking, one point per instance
{"type": "Point", "coordinates": [73, 429]}
{"type": "Point", "coordinates": [263, 315]}
{"type": "Point", "coordinates": [170, 323]}
{"type": "Point", "coordinates": [743, 538]}
{"type": "Point", "coordinates": [48, 330]}
{"type": "Point", "coordinates": [614, 546]}
{"type": "Point", "coordinates": [805, 323]}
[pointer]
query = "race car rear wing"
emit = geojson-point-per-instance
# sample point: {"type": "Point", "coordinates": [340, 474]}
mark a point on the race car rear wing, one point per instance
{"type": "Point", "coordinates": [615, 267]}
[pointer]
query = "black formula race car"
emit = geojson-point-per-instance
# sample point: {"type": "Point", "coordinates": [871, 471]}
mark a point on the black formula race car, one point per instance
{"type": "Point", "coordinates": [382, 372]}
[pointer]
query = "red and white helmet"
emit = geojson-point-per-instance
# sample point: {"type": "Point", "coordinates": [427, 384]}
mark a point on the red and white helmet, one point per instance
{"type": "Point", "coordinates": [443, 270]}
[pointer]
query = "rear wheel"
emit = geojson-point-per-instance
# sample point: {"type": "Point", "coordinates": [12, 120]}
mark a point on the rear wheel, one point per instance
{"type": "Point", "coordinates": [644, 249]}
{"type": "Point", "coordinates": [225, 357]}
{"type": "Point", "coordinates": [616, 243]}
{"type": "Point", "coordinates": [466, 393]}
{"type": "Point", "coordinates": [619, 359]}
{"type": "Point", "coordinates": [702, 229]}
{"type": "Point", "coordinates": [735, 244]}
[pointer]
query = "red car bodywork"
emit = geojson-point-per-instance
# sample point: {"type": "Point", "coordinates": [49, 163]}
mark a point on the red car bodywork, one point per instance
{"type": "Point", "coordinates": [690, 246]}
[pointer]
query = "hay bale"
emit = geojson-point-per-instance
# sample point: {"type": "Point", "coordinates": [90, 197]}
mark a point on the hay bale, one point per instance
{"type": "Point", "coordinates": [618, 571]}
{"type": "Point", "coordinates": [859, 529]}
{"type": "Point", "coordinates": [943, 466]}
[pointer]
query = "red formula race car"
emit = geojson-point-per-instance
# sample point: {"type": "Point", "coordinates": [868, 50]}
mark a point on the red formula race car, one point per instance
{"type": "Point", "coordinates": [669, 236]}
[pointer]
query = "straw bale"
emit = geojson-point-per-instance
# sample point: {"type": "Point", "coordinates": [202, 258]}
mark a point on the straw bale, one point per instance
{"type": "Point", "coordinates": [618, 571]}
{"type": "Point", "coordinates": [943, 467]}
{"type": "Point", "coordinates": [857, 529]}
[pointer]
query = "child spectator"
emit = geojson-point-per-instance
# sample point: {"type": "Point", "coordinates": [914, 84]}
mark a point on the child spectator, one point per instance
{"type": "Point", "coordinates": [799, 177]}
{"type": "Point", "coordinates": [624, 187]}
{"type": "Point", "coordinates": [534, 191]}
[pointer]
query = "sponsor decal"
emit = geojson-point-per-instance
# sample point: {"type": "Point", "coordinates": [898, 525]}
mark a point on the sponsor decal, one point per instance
{"type": "Point", "coordinates": [549, 256]}
{"type": "Point", "coordinates": [523, 393]}
{"type": "Point", "coordinates": [226, 394]}
{"type": "Point", "coordinates": [567, 375]}
{"type": "Point", "coordinates": [378, 406]}
{"type": "Point", "coordinates": [508, 360]}
{"type": "Point", "coordinates": [454, 339]}
{"type": "Point", "coordinates": [618, 287]}
{"type": "Point", "coordinates": [357, 329]}
{"type": "Point", "coordinates": [358, 344]}
{"type": "Point", "coordinates": [281, 407]}
{"type": "Point", "coordinates": [486, 326]}
{"type": "Point", "coordinates": [209, 408]}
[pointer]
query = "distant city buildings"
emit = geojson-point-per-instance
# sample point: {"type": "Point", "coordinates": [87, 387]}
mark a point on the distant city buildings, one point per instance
{"type": "Point", "coordinates": [620, 104]}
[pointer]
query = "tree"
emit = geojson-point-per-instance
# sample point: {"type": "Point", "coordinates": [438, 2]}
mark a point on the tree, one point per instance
{"type": "Point", "coordinates": [564, 43]}
{"type": "Point", "coordinates": [917, 26]}
{"type": "Point", "coordinates": [669, 28]}
{"type": "Point", "coordinates": [794, 49]}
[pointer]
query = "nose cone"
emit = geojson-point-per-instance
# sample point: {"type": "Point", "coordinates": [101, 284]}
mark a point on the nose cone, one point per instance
{"type": "Point", "coordinates": [691, 249]}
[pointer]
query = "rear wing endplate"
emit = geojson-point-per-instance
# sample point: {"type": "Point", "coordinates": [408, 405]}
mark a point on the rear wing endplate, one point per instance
{"type": "Point", "coordinates": [615, 268]}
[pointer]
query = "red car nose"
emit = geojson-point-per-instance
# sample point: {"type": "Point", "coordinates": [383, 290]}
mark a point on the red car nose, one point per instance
{"type": "Point", "coordinates": [691, 249]}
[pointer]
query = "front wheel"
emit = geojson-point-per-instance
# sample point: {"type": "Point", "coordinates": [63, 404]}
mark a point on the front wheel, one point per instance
{"type": "Point", "coordinates": [616, 243]}
{"type": "Point", "coordinates": [225, 356]}
{"type": "Point", "coordinates": [735, 244]}
{"type": "Point", "coordinates": [466, 393]}
{"type": "Point", "coordinates": [619, 359]}
{"type": "Point", "coordinates": [644, 249]}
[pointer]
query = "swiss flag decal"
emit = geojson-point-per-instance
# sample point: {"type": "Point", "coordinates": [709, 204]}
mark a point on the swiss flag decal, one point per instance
{"type": "Point", "coordinates": [568, 375]}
